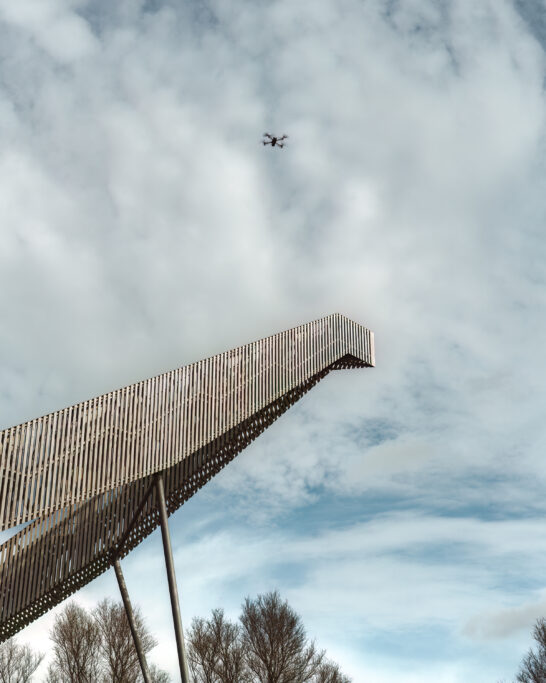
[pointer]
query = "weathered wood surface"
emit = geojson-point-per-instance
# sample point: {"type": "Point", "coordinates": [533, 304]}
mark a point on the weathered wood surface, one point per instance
{"type": "Point", "coordinates": [82, 475]}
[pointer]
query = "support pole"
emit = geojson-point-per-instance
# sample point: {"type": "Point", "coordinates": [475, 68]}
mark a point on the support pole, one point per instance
{"type": "Point", "coordinates": [131, 618]}
{"type": "Point", "coordinates": [172, 580]}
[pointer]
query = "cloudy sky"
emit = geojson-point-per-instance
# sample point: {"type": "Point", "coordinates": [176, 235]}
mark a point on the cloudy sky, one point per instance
{"type": "Point", "coordinates": [143, 226]}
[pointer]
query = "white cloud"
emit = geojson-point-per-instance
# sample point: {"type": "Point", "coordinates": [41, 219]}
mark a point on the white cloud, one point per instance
{"type": "Point", "coordinates": [54, 25]}
{"type": "Point", "coordinates": [504, 623]}
{"type": "Point", "coordinates": [144, 227]}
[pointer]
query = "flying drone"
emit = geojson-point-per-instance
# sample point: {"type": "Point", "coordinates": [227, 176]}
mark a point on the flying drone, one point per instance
{"type": "Point", "coordinates": [273, 141]}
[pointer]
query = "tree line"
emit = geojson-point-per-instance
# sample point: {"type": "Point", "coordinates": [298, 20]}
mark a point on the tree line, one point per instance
{"type": "Point", "coordinates": [268, 644]}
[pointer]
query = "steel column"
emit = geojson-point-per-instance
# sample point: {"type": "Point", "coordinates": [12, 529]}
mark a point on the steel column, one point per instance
{"type": "Point", "coordinates": [132, 623]}
{"type": "Point", "coordinates": [175, 606]}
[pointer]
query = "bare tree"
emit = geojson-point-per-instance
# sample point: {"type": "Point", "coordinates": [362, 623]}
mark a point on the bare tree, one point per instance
{"type": "Point", "coordinates": [533, 667]}
{"type": "Point", "coordinates": [17, 662]}
{"type": "Point", "coordinates": [270, 646]}
{"type": "Point", "coordinates": [276, 646]}
{"type": "Point", "coordinates": [98, 646]}
{"type": "Point", "coordinates": [158, 675]}
{"type": "Point", "coordinates": [231, 666]}
{"type": "Point", "coordinates": [215, 650]}
{"type": "Point", "coordinates": [329, 672]}
{"type": "Point", "coordinates": [202, 655]}
{"type": "Point", "coordinates": [76, 651]}
{"type": "Point", "coordinates": [120, 659]}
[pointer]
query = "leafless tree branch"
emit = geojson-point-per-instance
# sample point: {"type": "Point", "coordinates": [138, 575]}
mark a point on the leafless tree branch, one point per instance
{"type": "Point", "coordinates": [17, 662]}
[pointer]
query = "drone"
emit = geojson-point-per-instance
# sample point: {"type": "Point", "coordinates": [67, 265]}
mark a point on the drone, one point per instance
{"type": "Point", "coordinates": [271, 140]}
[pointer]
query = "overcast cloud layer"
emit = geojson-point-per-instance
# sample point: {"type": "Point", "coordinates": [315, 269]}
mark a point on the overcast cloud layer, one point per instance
{"type": "Point", "coordinates": [143, 226]}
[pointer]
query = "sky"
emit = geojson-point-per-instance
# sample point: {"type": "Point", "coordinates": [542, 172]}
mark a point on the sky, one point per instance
{"type": "Point", "coordinates": [399, 509]}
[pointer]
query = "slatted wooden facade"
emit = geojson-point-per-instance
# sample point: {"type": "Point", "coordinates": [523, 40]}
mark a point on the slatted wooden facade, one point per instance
{"type": "Point", "coordinates": [83, 476]}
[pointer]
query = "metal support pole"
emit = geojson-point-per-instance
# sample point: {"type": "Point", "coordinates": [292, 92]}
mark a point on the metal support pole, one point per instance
{"type": "Point", "coordinates": [131, 619]}
{"type": "Point", "coordinates": [177, 619]}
